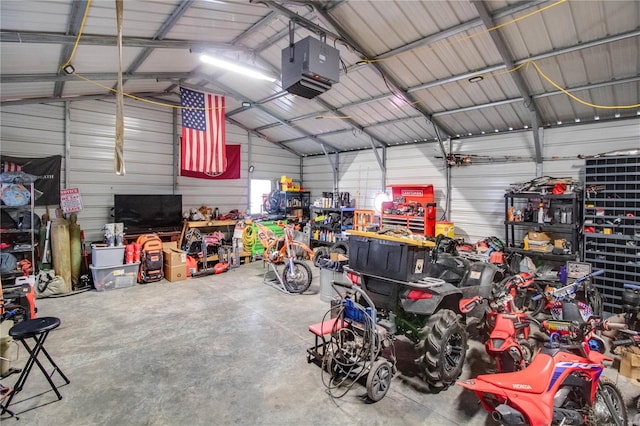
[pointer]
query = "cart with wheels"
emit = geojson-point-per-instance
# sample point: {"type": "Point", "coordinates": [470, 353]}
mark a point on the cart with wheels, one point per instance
{"type": "Point", "coordinates": [349, 346]}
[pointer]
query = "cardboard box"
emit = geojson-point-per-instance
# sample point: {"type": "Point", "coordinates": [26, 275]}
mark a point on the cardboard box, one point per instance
{"type": "Point", "coordinates": [175, 273]}
{"type": "Point", "coordinates": [630, 362]}
{"type": "Point", "coordinates": [539, 236]}
{"type": "Point", "coordinates": [169, 245]}
{"type": "Point", "coordinates": [337, 257]}
{"type": "Point", "coordinates": [174, 257]}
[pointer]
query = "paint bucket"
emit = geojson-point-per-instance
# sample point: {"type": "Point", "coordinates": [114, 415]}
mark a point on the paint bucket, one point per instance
{"type": "Point", "coordinates": [444, 228]}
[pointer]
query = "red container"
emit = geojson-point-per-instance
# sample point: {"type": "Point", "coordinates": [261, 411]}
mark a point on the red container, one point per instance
{"type": "Point", "coordinates": [430, 219]}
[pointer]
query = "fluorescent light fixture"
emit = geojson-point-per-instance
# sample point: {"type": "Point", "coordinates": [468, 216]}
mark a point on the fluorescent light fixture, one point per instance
{"type": "Point", "coordinates": [239, 69]}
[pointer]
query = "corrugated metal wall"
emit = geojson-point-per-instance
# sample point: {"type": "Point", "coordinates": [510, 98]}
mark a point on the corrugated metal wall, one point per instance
{"type": "Point", "coordinates": [86, 142]}
{"type": "Point", "coordinates": [477, 196]}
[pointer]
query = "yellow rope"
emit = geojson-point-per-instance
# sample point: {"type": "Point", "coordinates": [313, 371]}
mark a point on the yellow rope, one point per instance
{"type": "Point", "coordinates": [495, 74]}
{"type": "Point", "coordinates": [75, 46]}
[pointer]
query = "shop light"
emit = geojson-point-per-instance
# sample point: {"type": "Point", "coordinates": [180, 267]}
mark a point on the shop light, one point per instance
{"type": "Point", "coordinates": [526, 126]}
{"type": "Point", "coordinates": [238, 69]}
{"type": "Point", "coordinates": [577, 120]}
{"type": "Point", "coordinates": [559, 122]}
{"type": "Point", "coordinates": [597, 117]}
{"type": "Point", "coordinates": [617, 115]}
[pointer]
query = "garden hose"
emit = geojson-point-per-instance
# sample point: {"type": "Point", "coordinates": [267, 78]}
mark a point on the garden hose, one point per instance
{"type": "Point", "coordinates": [249, 237]}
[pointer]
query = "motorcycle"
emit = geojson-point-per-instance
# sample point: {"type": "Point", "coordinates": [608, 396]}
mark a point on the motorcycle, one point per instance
{"type": "Point", "coordinates": [577, 301]}
{"type": "Point", "coordinates": [509, 325]}
{"type": "Point", "coordinates": [563, 385]}
{"type": "Point", "coordinates": [564, 305]}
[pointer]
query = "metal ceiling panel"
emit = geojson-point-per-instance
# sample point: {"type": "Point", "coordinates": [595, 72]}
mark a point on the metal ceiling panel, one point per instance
{"type": "Point", "coordinates": [90, 59]}
{"type": "Point", "coordinates": [437, 44]}
{"type": "Point", "coordinates": [412, 129]}
{"type": "Point", "coordinates": [290, 106]}
{"type": "Point", "coordinates": [216, 21]}
{"type": "Point", "coordinates": [141, 18]}
{"type": "Point", "coordinates": [170, 60]}
{"type": "Point", "coordinates": [305, 147]}
{"type": "Point", "coordinates": [28, 58]}
{"type": "Point", "coordinates": [253, 118]}
{"type": "Point", "coordinates": [19, 91]}
{"type": "Point", "coordinates": [35, 15]}
{"type": "Point", "coordinates": [348, 141]}
{"type": "Point", "coordinates": [501, 118]}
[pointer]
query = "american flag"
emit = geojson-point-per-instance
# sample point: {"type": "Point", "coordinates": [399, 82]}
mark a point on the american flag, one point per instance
{"type": "Point", "coordinates": [203, 132]}
{"type": "Point", "coordinates": [11, 167]}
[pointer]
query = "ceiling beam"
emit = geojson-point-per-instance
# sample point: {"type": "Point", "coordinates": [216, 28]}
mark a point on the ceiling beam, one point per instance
{"type": "Point", "coordinates": [46, 78]}
{"type": "Point", "coordinates": [105, 40]}
{"type": "Point", "coordinates": [634, 79]}
{"type": "Point", "coordinates": [453, 31]}
{"type": "Point", "coordinates": [465, 76]}
{"type": "Point", "coordinates": [390, 80]}
{"type": "Point", "coordinates": [255, 27]}
{"type": "Point", "coordinates": [73, 28]}
{"type": "Point", "coordinates": [49, 99]}
{"type": "Point", "coordinates": [266, 111]}
{"type": "Point", "coordinates": [164, 29]}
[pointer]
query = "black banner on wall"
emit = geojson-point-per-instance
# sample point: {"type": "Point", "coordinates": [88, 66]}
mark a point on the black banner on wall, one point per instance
{"type": "Point", "coordinates": [47, 170]}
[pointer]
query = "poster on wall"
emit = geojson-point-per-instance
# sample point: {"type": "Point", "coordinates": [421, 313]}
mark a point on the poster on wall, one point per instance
{"type": "Point", "coordinates": [70, 200]}
{"type": "Point", "coordinates": [47, 171]}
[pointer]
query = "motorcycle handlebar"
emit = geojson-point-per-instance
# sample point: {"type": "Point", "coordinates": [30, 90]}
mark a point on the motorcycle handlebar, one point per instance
{"type": "Point", "coordinates": [342, 284]}
{"type": "Point", "coordinates": [624, 342]}
{"type": "Point", "coordinates": [573, 289]}
{"type": "Point", "coordinates": [586, 277]}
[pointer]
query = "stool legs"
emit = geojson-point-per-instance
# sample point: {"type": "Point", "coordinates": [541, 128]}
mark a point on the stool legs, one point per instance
{"type": "Point", "coordinates": [33, 359]}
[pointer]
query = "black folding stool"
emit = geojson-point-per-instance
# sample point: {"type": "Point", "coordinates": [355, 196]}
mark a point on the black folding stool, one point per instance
{"type": "Point", "coordinates": [37, 329]}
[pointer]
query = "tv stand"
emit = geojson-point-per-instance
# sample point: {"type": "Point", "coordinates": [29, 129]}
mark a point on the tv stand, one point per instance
{"type": "Point", "coordinates": [165, 235]}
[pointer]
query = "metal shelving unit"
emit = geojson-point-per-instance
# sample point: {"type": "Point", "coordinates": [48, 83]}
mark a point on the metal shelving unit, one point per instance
{"type": "Point", "coordinates": [22, 240]}
{"type": "Point", "coordinates": [335, 228]}
{"type": "Point", "coordinates": [611, 234]}
{"type": "Point", "coordinates": [569, 230]}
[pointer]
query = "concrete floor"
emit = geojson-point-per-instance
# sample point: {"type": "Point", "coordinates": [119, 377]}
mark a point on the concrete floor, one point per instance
{"type": "Point", "coordinates": [223, 349]}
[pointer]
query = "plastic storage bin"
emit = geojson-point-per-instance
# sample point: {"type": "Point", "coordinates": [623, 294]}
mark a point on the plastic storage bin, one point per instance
{"type": "Point", "coordinates": [106, 256]}
{"type": "Point", "coordinates": [388, 259]}
{"type": "Point", "coordinates": [112, 277]}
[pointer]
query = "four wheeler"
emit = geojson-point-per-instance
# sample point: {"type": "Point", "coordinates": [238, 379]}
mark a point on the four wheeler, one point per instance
{"type": "Point", "coordinates": [563, 385]}
{"type": "Point", "coordinates": [296, 275]}
{"type": "Point", "coordinates": [417, 294]}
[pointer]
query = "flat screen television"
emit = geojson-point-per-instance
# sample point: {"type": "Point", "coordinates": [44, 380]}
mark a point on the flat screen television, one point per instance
{"type": "Point", "coordinates": [141, 213]}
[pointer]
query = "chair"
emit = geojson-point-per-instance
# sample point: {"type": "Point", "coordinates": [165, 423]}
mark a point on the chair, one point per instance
{"type": "Point", "coordinates": [38, 330]}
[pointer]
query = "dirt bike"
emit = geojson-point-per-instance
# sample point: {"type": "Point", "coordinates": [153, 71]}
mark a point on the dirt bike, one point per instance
{"type": "Point", "coordinates": [296, 275]}
{"type": "Point", "coordinates": [577, 301]}
{"type": "Point", "coordinates": [507, 324]}
{"type": "Point", "coordinates": [563, 385]}
{"type": "Point", "coordinates": [564, 306]}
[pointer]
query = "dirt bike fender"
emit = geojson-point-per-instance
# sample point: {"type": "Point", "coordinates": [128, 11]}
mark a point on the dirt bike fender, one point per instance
{"type": "Point", "coordinates": [444, 296]}
{"type": "Point", "coordinates": [597, 357]}
{"type": "Point", "coordinates": [531, 405]}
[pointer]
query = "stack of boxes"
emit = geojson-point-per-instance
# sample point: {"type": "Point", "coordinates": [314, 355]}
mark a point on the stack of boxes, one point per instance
{"type": "Point", "coordinates": [175, 263]}
{"type": "Point", "coordinates": [109, 270]}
